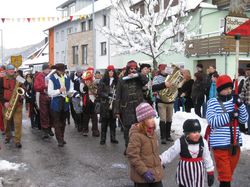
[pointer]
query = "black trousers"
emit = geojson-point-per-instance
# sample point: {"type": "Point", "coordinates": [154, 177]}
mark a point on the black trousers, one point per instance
{"type": "Point", "coordinates": [155, 184]}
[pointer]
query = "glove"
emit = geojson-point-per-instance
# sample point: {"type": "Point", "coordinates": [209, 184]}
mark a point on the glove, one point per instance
{"type": "Point", "coordinates": [210, 178]}
{"type": "Point", "coordinates": [76, 94]}
{"type": "Point", "coordinates": [149, 177]}
{"type": "Point", "coordinates": [237, 100]}
{"type": "Point", "coordinates": [233, 115]}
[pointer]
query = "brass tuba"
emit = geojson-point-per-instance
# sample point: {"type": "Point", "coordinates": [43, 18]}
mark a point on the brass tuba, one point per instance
{"type": "Point", "coordinates": [168, 95]}
{"type": "Point", "coordinates": [18, 91]}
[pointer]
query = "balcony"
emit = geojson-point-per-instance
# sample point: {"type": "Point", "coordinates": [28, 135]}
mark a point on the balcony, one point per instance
{"type": "Point", "coordinates": [215, 44]}
{"type": "Point", "coordinates": [225, 4]}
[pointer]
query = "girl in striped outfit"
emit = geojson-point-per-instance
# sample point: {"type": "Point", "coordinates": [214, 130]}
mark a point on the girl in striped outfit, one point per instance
{"type": "Point", "coordinates": [195, 158]}
{"type": "Point", "coordinates": [225, 138]}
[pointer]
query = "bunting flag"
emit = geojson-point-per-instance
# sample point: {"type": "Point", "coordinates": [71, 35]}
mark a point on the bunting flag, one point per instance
{"type": "Point", "coordinates": [44, 19]}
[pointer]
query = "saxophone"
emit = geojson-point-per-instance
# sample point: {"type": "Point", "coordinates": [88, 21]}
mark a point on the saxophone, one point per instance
{"type": "Point", "coordinates": [168, 95]}
{"type": "Point", "coordinates": [18, 91]}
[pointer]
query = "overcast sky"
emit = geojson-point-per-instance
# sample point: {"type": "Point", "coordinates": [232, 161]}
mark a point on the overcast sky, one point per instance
{"type": "Point", "coordinates": [23, 33]}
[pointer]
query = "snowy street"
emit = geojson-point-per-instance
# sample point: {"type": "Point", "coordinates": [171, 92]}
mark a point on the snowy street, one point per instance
{"type": "Point", "coordinates": [83, 161]}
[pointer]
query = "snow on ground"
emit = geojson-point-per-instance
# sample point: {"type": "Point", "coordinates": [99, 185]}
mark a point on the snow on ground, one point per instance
{"type": "Point", "coordinates": [180, 117]}
{"type": "Point", "coordinates": [6, 165]}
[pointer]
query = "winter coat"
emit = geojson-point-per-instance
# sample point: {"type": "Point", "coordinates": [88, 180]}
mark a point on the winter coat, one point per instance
{"type": "Point", "coordinates": [187, 89]}
{"type": "Point", "coordinates": [143, 155]}
{"type": "Point", "coordinates": [245, 94]}
{"type": "Point", "coordinates": [220, 136]}
{"type": "Point", "coordinates": [104, 94]}
{"type": "Point", "coordinates": [197, 93]}
{"type": "Point", "coordinates": [129, 95]}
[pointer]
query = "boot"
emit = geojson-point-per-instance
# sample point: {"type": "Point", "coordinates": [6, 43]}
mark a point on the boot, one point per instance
{"type": "Point", "coordinates": [103, 132]}
{"type": "Point", "coordinates": [112, 132]}
{"type": "Point", "coordinates": [168, 131]}
{"type": "Point", "coordinates": [163, 132]}
{"type": "Point", "coordinates": [225, 184]}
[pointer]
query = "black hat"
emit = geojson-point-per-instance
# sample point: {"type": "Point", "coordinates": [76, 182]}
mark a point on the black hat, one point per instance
{"type": "Point", "coordinates": [144, 65]}
{"type": "Point", "coordinates": [199, 66]}
{"type": "Point", "coordinates": [45, 66]}
{"type": "Point", "coordinates": [60, 67]}
{"type": "Point", "coordinates": [191, 125]}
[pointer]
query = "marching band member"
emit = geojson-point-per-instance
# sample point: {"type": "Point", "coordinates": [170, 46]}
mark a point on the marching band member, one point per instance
{"type": "Point", "coordinates": [89, 90]}
{"type": "Point", "coordinates": [41, 85]}
{"type": "Point", "coordinates": [147, 89]}
{"type": "Point", "coordinates": [7, 85]}
{"type": "Point", "coordinates": [106, 92]}
{"type": "Point", "coordinates": [76, 115]}
{"type": "Point", "coordinates": [165, 109]}
{"type": "Point", "coordinates": [129, 96]}
{"type": "Point", "coordinates": [2, 74]}
{"type": "Point", "coordinates": [60, 88]}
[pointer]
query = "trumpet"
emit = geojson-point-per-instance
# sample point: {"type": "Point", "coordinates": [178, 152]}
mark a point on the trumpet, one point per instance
{"type": "Point", "coordinates": [112, 98]}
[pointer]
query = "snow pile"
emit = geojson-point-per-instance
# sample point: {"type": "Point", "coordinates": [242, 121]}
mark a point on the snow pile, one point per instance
{"type": "Point", "coordinates": [6, 165]}
{"type": "Point", "coordinates": [180, 117]}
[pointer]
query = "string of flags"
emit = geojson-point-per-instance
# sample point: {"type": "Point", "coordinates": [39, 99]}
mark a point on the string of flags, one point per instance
{"type": "Point", "coordinates": [43, 19]}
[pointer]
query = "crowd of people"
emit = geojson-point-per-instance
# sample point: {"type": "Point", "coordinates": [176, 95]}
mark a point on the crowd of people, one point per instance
{"type": "Point", "coordinates": [131, 100]}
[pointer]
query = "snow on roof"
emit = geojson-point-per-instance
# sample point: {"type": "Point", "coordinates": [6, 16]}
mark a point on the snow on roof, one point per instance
{"type": "Point", "coordinates": [192, 4]}
{"type": "Point", "coordinates": [207, 5]}
{"type": "Point", "coordinates": [98, 6]}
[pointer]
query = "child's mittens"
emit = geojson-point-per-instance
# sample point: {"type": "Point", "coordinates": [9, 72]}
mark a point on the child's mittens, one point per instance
{"type": "Point", "coordinates": [210, 178]}
{"type": "Point", "coordinates": [149, 177]}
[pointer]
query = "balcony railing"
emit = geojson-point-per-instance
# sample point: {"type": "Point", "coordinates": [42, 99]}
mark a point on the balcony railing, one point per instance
{"type": "Point", "coordinates": [224, 4]}
{"type": "Point", "coordinates": [210, 44]}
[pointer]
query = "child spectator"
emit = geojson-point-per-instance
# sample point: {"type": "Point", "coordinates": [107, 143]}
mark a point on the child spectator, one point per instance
{"type": "Point", "coordinates": [225, 138]}
{"type": "Point", "coordinates": [194, 154]}
{"type": "Point", "coordinates": [143, 151]}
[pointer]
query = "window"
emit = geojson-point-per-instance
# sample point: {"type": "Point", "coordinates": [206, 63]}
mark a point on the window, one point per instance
{"type": "Point", "coordinates": [222, 24]}
{"type": "Point", "coordinates": [84, 54]}
{"type": "Point", "coordinates": [57, 37]}
{"type": "Point", "coordinates": [69, 30]}
{"type": "Point", "coordinates": [83, 26]}
{"type": "Point", "coordinates": [72, 9]}
{"type": "Point", "coordinates": [65, 12]}
{"type": "Point", "coordinates": [57, 56]}
{"type": "Point", "coordinates": [62, 57]}
{"type": "Point", "coordinates": [103, 48]}
{"type": "Point", "coordinates": [104, 20]}
{"type": "Point", "coordinates": [179, 37]}
{"type": "Point", "coordinates": [62, 35]}
{"type": "Point", "coordinates": [90, 24]}
{"type": "Point", "coordinates": [75, 54]}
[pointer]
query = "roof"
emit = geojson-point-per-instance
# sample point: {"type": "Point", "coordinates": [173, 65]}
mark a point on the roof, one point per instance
{"type": "Point", "coordinates": [98, 6]}
{"type": "Point", "coordinates": [65, 4]}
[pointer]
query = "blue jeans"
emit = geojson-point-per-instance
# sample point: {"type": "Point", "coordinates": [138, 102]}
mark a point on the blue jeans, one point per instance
{"type": "Point", "coordinates": [176, 104]}
{"type": "Point", "coordinates": [204, 109]}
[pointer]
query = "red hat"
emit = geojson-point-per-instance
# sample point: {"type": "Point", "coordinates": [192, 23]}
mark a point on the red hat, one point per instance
{"type": "Point", "coordinates": [162, 67]}
{"type": "Point", "coordinates": [132, 64]}
{"type": "Point", "coordinates": [88, 75]}
{"type": "Point", "coordinates": [90, 68]}
{"type": "Point", "coordinates": [110, 67]}
{"type": "Point", "coordinates": [223, 81]}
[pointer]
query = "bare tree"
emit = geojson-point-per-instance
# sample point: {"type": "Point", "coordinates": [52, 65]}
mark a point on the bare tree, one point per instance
{"type": "Point", "coordinates": [147, 32]}
{"type": "Point", "coordinates": [238, 7]}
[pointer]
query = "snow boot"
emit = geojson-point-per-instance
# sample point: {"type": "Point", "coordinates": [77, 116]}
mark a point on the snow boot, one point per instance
{"type": "Point", "coordinates": [163, 132]}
